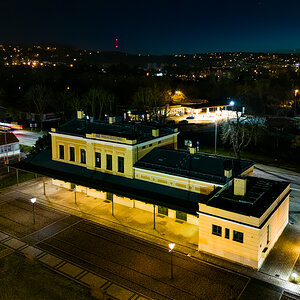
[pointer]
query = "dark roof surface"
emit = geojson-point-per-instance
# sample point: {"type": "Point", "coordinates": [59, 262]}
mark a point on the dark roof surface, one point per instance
{"type": "Point", "coordinates": [140, 131]}
{"type": "Point", "coordinates": [132, 188]}
{"type": "Point", "coordinates": [9, 139]}
{"type": "Point", "coordinates": [260, 194]}
{"type": "Point", "coordinates": [203, 167]}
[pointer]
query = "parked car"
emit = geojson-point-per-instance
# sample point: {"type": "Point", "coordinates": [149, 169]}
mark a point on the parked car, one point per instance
{"type": "Point", "coordinates": [190, 117]}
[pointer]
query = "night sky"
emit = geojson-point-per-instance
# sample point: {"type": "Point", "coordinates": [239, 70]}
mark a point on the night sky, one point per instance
{"type": "Point", "coordinates": [154, 27]}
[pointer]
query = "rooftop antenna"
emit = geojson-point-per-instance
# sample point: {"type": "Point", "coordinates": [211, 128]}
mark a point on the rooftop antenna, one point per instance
{"type": "Point", "coordinates": [116, 44]}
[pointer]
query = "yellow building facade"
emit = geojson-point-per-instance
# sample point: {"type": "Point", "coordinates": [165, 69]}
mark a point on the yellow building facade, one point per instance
{"type": "Point", "coordinates": [239, 217]}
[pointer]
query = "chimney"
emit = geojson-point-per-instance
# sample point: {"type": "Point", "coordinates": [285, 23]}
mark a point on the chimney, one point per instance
{"type": "Point", "coordinates": [155, 132]}
{"type": "Point", "coordinates": [193, 150]}
{"type": "Point", "coordinates": [228, 173]}
{"type": "Point", "coordinates": [240, 186]}
{"type": "Point", "coordinates": [80, 114]}
{"type": "Point", "coordinates": [112, 120]}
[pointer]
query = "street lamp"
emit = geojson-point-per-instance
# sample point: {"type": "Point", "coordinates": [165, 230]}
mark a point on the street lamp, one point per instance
{"type": "Point", "coordinates": [294, 275]}
{"type": "Point", "coordinates": [231, 103]}
{"type": "Point", "coordinates": [295, 102]}
{"type": "Point", "coordinates": [171, 246]}
{"type": "Point", "coordinates": [33, 200]}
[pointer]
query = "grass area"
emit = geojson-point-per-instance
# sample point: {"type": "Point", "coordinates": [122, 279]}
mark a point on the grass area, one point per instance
{"type": "Point", "coordinates": [258, 158]}
{"type": "Point", "coordinates": [26, 148]}
{"type": "Point", "coordinates": [25, 279]}
{"type": "Point", "coordinates": [11, 179]}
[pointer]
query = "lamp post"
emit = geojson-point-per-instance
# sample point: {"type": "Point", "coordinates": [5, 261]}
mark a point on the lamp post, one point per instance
{"type": "Point", "coordinates": [216, 134]}
{"type": "Point", "coordinates": [33, 200]}
{"type": "Point", "coordinates": [294, 275]}
{"type": "Point", "coordinates": [295, 102]}
{"type": "Point", "coordinates": [171, 246]}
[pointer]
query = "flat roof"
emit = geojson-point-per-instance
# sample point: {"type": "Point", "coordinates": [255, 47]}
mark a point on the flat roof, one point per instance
{"type": "Point", "coordinates": [169, 197]}
{"type": "Point", "coordinates": [260, 194]}
{"type": "Point", "coordinates": [204, 167]}
{"type": "Point", "coordinates": [140, 131]}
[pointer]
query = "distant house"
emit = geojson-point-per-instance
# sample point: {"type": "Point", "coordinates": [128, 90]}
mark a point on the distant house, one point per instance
{"type": "Point", "coordinates": [9, 146]}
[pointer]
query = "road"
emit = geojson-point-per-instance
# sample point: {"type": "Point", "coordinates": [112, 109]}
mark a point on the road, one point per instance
{"type": "Point", "coordinates": [26, 137]}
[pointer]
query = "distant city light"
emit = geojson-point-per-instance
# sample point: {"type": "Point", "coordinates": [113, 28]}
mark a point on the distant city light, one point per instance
{"type": "Point", "coordinates": [231, 103]}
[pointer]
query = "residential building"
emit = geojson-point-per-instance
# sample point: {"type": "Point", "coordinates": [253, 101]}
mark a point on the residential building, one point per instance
{"type": "Point", "coordinates": [9, 146]}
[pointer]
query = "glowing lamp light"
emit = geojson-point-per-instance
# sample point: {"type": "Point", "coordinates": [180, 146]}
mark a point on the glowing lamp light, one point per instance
{"type": "Point", "coordinates": [171, 246]}
{"type": "Point", "coordinates": [231, 103]}
{"type": "Point", "coordinates": [294, 275]}
{"type": "Point", "coordinates": [33, 200]}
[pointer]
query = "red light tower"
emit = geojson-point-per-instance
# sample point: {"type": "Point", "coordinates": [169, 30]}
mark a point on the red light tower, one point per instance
{"type": "Point", "coordinates": [116, 46]}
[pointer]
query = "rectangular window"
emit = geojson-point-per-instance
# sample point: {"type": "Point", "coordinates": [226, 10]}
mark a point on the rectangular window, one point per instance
{"type": "Point", "coordinates": [97, 159]}
{"type": "Point", "coordinates": [120, 164]}
{"type": "Point", "coordinates": [82, 156]}
{"type": "Point", "coordinates": [238, 236]}
{"type": "Point", "coordinates": [217, 230]}
{"type": "Point", "coordinates": [108, 162]}
{"type": "Point", "coordinates": [162, 210]}
{"type": "Point", "coordinates": [72, 154]}
{"type": "Point", "coordinates": [227, 233]}
{"type": "Point", "coordinates": [181, 215]}
{"type": "Point", "coordinates": [61, 152]}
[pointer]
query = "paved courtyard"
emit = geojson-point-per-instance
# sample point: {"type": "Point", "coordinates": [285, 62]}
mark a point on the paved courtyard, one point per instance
{"type": "Point", "coordinates": [66, 239]}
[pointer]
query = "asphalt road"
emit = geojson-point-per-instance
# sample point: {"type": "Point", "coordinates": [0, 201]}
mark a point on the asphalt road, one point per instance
{"type": "Point", "coordinates": [27, 138]}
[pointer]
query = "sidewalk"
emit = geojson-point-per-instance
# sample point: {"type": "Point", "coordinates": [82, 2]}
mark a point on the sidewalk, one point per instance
{"type": "Point", "coordinates": [135, 222]}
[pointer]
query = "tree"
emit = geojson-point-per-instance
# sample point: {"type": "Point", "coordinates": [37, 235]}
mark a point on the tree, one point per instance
{"type": "Point", "coordinates": [99, 100]}
{"type": "Point", "coordinates": [38, 95]}
{"type": "Point", "coordinates": [238, 133]}
{"type": "Point", "coordinates": [41, 144]}
{"type": "Point", "coordinates": [152, 100]}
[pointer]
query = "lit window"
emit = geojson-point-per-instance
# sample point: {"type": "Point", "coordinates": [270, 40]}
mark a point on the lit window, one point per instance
{"type": "Point", "coordinates": [238, 236]}
{"type": "Point", "coordinates": [217, 230]}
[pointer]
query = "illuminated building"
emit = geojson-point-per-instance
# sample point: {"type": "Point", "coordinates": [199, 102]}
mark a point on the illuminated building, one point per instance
{"type": "Point", "coordinates": [238, 217]}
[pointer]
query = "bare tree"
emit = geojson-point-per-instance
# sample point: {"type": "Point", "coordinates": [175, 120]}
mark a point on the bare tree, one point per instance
{"type": "Point", "coordinates": [99, 100]}
{"type": "Point", "coordinates": [38, 95]}
{"type": "Point", "coordinates": [238, 133]}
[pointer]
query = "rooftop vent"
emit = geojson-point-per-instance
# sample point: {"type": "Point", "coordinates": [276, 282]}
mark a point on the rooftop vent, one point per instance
{"type": "Point", "coordinates": [240, 186]}
{"type": "Point", "coordinates": [192, 150]}
{"type": "Point", "coordinates": [112, 120]}
{"type": "Point", "coordinates": [80, 114]}
{"type": "Point", "coordinates": [228, 173]}
{"type": "Point", "coordinates": [155, 132]}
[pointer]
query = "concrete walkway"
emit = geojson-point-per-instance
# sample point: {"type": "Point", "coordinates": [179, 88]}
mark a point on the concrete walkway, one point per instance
{"type": "Point", "coordinates": [136, 222]}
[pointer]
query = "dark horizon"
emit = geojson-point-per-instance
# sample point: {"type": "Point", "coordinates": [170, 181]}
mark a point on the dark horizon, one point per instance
{"type": "Point", "coordinates": [158, 27]}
